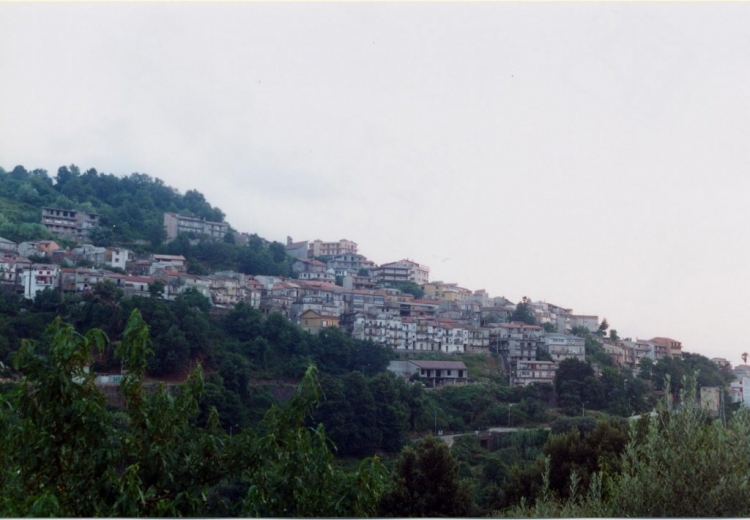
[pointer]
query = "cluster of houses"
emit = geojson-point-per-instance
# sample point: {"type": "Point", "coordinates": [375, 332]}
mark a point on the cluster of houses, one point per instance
{"type": "Point", "coordinates": [335, 286]}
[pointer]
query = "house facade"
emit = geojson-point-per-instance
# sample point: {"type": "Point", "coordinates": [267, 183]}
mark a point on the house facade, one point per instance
{"type": "Point", "coordinates": [71, 223]}
{"type": "Point", "coordinates": [433, 373]}
{"type": "Point", "coordinates": [175, 224]}
{"type": "Point", "coordinates": [564, 346]}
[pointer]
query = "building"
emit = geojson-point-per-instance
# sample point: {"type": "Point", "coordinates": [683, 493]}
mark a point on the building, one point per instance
{"type": "Point", "coordinates": [175, 225]}
{"type": "Point", "coordinates": [519, 341]}
{"type": "Point", "coordinates": [401, 272]}
{"type": "Point", "coordinates": [117, 257]}
{"type": "Point", "coordinates": [711, 400]}
{"type": "Point", "coordinates": [590, 322]}
{"type": "Point", "coordinates": [71, 223]}
{"type": "Point", "coordinates": [319, 248]}
{"type": "Point", "coordinates": [433, 373]}
{"type": "Point", "coordinates": [308, 265]}
{"type": "Point", "coordinates": [667, 346]}
{"type": "Point", "coordinates": [565, 346]}
{"type": "Point", "coordinates": [7, 247]}
{"type": "Point", "coordinates": [346, 264]}
{"type": "Point", "coordinates": [312, 321]}
{"type": "Point", "coordinates": [528, 372]}
{"type": "Point", "coordinates": [11, 269]}
{"type": "Point", "coordinates": [173, 262]}
{"type": "Point", "coordinates": [296, 249]}
{"type": "Point", "coordinates": [449, 292]}
{"type": "Point", "coordinates": [39, 277]}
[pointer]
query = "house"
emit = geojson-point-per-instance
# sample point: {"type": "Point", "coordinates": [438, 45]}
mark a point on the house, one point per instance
{"type": "Point", "coordinates": [117, 257]}
{"type": "Point", "coordinates": [400, 272]}
{"type": "Point", "coordinates": [89, 253]}
{"type": "Point", "coordinates": [7, 247]}
{"type": "Point", "coordinates": [667, 346]}
{"type": "Point", "coordinates": [450, 292]}
{"type": "Point", "coordinates": [70, 223]}
{"type": "Point", "coordinates": [519, 341]}
{"type": "Point", "coordinates": [589, 322]}
{"type": "Point", "coordinates": [346, 264]}
{"type": "Point", "coordinates": [308, 265]}
{"type": "Point", "coordinates": [137, 285]}
{"type": "Point", "coordinates": [11, 269]}
{"type": "Point", "coordinates": [296, 249]}
{"type": "Point", "coordinates": [175, 224]}
{"type": "Point", "coordinates": [318, 248]}
{"type": "Point", "coordinates": [39, 277]}
{"type": "Point", "coordinates": [711, 399]}
{"type": "Point", "coordinates": [176, 283]}
{"type": "Point", "coordinates": [479, 340]}
{"type": "Point", "coordinates": [377, 327]}
{"type": "Point", "coordinates": [528, 372]}
{"type": "Point", "coordinates": [723, 364]}
{"type": "Point", "coordinates": [739, 390]}
{"type": "Point", "coordinates": [312, 321]}
{"type": "Point", "coordinates": [564, 346]}
{"type": "Point", "coordinates": [434, 373]}
{"type": "Point", "coordinates": [173, 262]}
{"type": "Point", "coordinates": [616, 353]}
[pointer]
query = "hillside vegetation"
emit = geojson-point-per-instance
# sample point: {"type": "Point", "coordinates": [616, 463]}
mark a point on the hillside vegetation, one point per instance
{"type": "Point", "coordinates": [267, 419]}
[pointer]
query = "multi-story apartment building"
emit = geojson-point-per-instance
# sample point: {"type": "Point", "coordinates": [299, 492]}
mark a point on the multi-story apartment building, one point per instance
{"type": "Point", "coordinates": [401, 271]}
{"type": "Point", "coordinates": [347, 264]}
{"type": "Point", "coordinates": [519, 341]}
{"type": "Point", "coordinates": [564, 346]}
{"type": "Point", "coordinates": [616, 352]}
{"type": "Point", "coordinates": [319, 248]}
{"type": "Point", "coordinates": [590, 322]}
{"type": "Point", "coordinates": [380, 329]}
{"type": "Point", "coordinates": [418, 308]}
{"type": "Point", "coordinates": [39, 277]}
{"type": "Point", "coordinates": [71, 223]}
{"type": "Point", "coordinates": [667, 346]}
{"type": "Point", "coordinates": [364, 301]}
{"type": "Point", "coordinates": [450, 292]}
{"type": "Point", "coordinates": [175, 224]}
{"type": "Point", "coordinates": [641, 349]}
{"type": "Point", "coordinates": [479, 340]}
{"type": "Point", "coordinates": [528, 372]}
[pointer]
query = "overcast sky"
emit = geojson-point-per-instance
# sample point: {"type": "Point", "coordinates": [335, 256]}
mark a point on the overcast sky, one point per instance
{"type": "Point", "coordinates": [594, 156]}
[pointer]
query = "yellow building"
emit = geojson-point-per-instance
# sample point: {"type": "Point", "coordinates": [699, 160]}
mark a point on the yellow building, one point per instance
{"type": "Point", "coordinates": [312, 321]}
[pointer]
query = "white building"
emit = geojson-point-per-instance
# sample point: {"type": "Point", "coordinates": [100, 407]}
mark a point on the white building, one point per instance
{"type": "Point", "coordinates": [564, 346]}
{"type": "Point", "coordinates": [38, 278]}
{"type": "Point", "coordinates": [118, 257]}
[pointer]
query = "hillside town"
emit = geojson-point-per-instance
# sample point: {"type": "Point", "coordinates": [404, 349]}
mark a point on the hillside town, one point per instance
{"type": "Point", "coordinates": [333, 285]}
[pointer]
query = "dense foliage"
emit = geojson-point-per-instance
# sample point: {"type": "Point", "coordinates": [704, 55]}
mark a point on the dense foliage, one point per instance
{"type": "Point", "coordinates": [65, 454]}
{"type": "Point", "coordinates": [677, 464]}
{"type": "Point", "coordinates": [131, 210]}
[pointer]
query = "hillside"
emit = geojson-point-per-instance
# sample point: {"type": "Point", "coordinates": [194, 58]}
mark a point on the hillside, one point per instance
{"type": "Point", "coordinates": [131, 207]}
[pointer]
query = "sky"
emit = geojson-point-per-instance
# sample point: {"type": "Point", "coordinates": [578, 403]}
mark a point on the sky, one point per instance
{"type": "Point", "coordinates": [591, 155]}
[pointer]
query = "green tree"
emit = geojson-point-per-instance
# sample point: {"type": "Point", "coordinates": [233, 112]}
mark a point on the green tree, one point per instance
{"type": "Point", "coordinates": [603, 326]}
{"type": "Point", "coordinates": [524, 312]}
{"type": "Point", "coordinates": [426, 483]}
{"type": "Point", "coordinates": [64, 454]}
